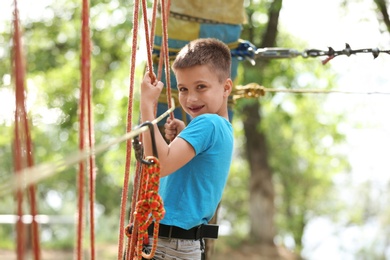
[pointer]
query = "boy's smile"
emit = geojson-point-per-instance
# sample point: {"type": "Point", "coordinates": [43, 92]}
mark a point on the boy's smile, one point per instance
{"type": "Point", "coordinates": [201, 92]}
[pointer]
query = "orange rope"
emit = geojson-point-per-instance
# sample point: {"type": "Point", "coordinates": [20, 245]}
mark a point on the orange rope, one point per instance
{"type": "Point", "coordinates": [137, 190]}
{"type": "Point", "coordinates": [149, 208]}
{"type": "Point", "coordinates": [137, 230]}
{"type": "Point", "coordinates": [86, 137]}
{"type": "Point", "coordinates": [148, 42]}
{"type": "Point", "coordinates": [131, 243]}
{"type": "Point", "coordinates": [19, 90]}
{"type": "Point", "coordinates": [23, 157]}
{"type": "Point", "coordinates": [128, 129]}
{"type": "Point", "coordinates": [136, 195]}
{"type": "Point", "coordinates": [86, 52]}
{"type": "Point", "coordinates": [165, 8]}
{"type": "Point", "coordinates": [153, 23]}
{"type": "Point", "coordinates": [80, 182]}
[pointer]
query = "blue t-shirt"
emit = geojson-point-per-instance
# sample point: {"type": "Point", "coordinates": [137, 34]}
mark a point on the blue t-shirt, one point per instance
{"type": "Point", "coordinates": [192, 193]}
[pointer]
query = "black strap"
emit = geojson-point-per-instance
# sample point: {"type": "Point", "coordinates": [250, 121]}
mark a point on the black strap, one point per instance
{"type": "Point", "coordinates": [195, 233]}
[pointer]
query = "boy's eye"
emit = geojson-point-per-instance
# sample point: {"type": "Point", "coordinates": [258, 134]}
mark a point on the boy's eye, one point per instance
{"type": "Point", "coordinates": [200, 86]}
{"type": "Point", "coordinates": [182, 89]}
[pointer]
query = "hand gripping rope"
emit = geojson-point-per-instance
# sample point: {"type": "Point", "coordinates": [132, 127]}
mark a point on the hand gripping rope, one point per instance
{"type": "Point", "coordinates": [149, 207]}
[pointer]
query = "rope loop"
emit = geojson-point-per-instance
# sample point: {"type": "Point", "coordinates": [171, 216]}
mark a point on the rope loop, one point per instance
{"type": "Point", "coordinates": [149, 208]}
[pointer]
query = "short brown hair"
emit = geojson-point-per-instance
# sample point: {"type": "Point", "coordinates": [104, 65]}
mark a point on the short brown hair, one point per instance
{"type": "Point", "coordinates": [206, 51]}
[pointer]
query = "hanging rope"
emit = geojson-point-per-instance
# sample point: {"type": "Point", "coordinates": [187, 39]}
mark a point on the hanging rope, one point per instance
{"type": "Point", "coordinates": [126, 177]}
{"type": "Point", "coordinates": [133, 241]}
{"type": "Point", "coordinates": [164, 55]}
{"type": "Point", "coordinates": [148, 42]}
{"type": "Point", "coordinates": [23, 157]}
{"type": "Point", "coordinates": [86, 138]}
{"type": "Point", "coordinates": [164, 59]}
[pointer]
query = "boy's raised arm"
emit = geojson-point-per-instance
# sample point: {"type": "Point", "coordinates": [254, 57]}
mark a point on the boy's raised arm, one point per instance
{"type": "Point", "coordinates": [178, 152]}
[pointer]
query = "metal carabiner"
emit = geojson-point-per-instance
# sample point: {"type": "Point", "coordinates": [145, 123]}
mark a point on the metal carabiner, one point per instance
{"type": "Point", "coordinates": [137, 145]}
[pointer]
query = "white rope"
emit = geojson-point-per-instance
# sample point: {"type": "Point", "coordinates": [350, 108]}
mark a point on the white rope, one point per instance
{"type": "Point", "coordinates": [37, 173]}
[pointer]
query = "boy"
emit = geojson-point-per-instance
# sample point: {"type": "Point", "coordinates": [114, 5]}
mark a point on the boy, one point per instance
{"type": "Point", "coordinates": [195, 165]}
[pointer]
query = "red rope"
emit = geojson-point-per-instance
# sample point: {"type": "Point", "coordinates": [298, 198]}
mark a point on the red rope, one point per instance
{"type": "Point", "coordinates": [128, 129]}
{"type": "Point", "coordinates": [86, 52]}
{"type": "Point", "coordinates": [149, 208]}
{"type": "Point", "coordinates": [23, 146]}
{"type": "Point", "coordinates": [164, 15]}
{"type": "Point", "coordinates": [148, 42]}
{"type": "Point", "coordinates": [134, 243]}
{"type": "Point", "coordinates": [81, 175]}
{"type": "Point", "coordinates": [19, 96]}
{"type": "Point", "coordinates": [86, 137]}
{"type": "Point", "coordinates": [136, 195]}
{"type": "Point", "coordinates": [153, 23]}
{"type": "Point", "coordinates": [32, 196]}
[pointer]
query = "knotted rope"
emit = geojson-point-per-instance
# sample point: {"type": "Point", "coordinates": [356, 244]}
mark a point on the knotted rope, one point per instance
{"type": "Point", "coordinates": [149, 208]}
{"type": "Point", "coordinates": [134, 244]}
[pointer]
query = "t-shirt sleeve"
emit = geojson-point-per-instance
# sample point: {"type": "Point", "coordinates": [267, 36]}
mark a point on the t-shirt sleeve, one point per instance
{"type": "Point", "coordinates": [199, 133]}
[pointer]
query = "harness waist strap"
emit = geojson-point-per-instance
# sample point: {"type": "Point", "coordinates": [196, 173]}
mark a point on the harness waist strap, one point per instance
{"type": "Point", "coordinates": [195, 233]}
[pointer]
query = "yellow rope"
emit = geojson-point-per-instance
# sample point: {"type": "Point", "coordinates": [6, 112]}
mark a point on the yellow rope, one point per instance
{"type": "Point", "coordinates": [254, 90]}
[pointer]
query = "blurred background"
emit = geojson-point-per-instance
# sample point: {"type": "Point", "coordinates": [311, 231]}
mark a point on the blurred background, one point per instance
{"type": "Point", "coordinates": [311, 175]}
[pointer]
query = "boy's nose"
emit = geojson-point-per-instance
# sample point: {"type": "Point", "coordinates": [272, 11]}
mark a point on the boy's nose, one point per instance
{"type": "Point", "coordinates": [192, 97]}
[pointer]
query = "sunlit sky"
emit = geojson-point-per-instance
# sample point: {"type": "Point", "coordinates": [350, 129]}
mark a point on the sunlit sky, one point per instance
{"type": "Point", "coordinates": [367, 124]}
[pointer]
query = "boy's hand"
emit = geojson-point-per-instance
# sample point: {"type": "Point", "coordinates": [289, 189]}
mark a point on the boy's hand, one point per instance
{"type": "Point", "coordinates": [150, 91]}
{"type": "Point", "coordinates": [173, 127]}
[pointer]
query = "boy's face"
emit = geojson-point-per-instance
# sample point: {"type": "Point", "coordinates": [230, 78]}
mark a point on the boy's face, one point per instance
{"type": "Point", "coordinates": [200, 91]}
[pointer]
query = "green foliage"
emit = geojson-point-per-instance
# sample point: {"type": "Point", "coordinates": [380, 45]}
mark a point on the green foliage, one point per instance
{"type": "Point", "coordinates": [7, 241]}
{"type": "Point", "coordinates": [304, 159]}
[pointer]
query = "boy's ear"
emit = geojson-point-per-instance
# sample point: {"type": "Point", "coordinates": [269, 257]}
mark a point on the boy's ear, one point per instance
{"type": "Point", "coordinates": [228, 87]}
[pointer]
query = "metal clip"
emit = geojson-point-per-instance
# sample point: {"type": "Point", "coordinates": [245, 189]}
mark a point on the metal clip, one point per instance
{"type": "Point", "coordinates": [137, 145]}
{"type": "Point", "coordinates": [277, 53]}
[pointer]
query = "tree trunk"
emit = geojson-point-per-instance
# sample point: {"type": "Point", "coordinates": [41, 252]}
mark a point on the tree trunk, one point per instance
{"type": "Point", "coordinates": [262, 194]}
{"type": "Point", "coordinates": [382, 7]}
{"type": "Point", "coordinates": [261, 187]}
